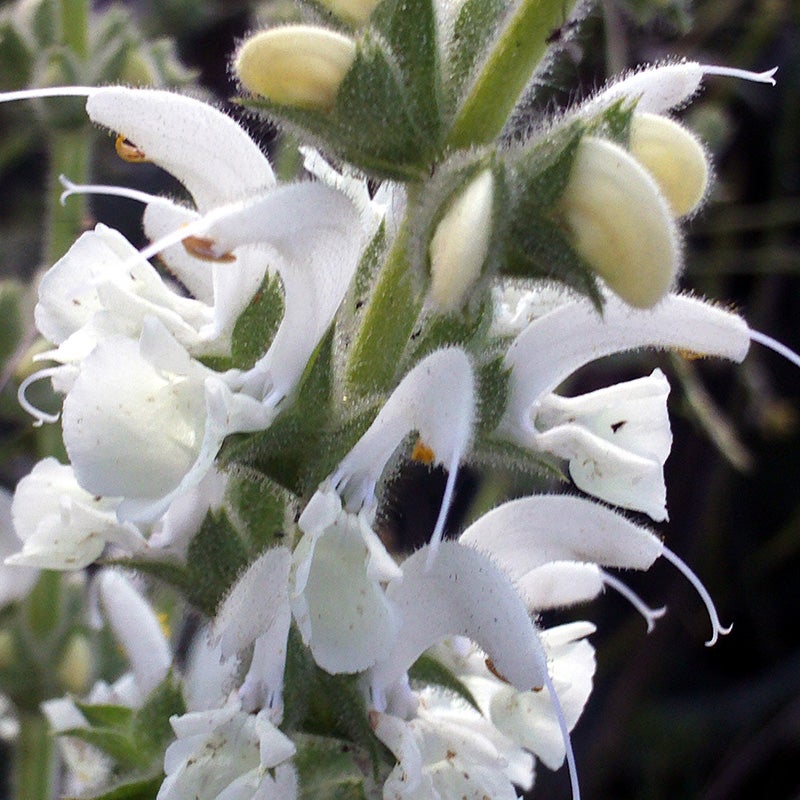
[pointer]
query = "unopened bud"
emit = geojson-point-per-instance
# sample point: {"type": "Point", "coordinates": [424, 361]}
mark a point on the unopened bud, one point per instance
{"type": "Point", "coordinates": [461, 242]}
{"type": "Point", "coordinates": [75, 670]}
{"type": "Point", "coordinates": [674, 157]}
{"type": "Point", "coordinates": [621, 223]}
{"type": "Point", "coordinates": [356, 12]}
{"type": "Point", "coordinates": [296, 65]}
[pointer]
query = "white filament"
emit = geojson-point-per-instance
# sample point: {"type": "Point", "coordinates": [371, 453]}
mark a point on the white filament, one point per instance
{"type": "Point", "coordinates": [775, 346]}
{"type": "Point", "coordinates": [650, 614]}
{"type": "Point", "coordinates": [71, 188]}
{"type": "Point", "coordinates": [38, 415]}
{"type": "Point", "coordinates": [716, 627]}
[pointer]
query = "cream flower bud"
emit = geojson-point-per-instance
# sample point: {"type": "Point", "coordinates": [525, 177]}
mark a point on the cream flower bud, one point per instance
{"type": "Point", "coordinates": [461, 242]}
{"type": "Point", "coordinates": [77, 665]}
{"type": "Point", "coordinates": [621, 222]}
{"type": "Point", "coordinates": [296, 65]}
{"type": "Point", "coordinates": [356, 12]}
{"type": "Point", "coordinates": [674, 157]}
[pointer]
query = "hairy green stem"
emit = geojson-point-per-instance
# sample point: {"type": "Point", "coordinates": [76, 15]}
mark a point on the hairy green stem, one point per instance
{"type": "Point", "coordinates": [34, 765]}
{"type": "Point", "coordinates": [75, 26]}
{"type": "Point", "coordinates": [387, 325]}
{"type": "Point", "coordinates": [507, 71]}
{"type": "Point", "coordinates": [69, 155]}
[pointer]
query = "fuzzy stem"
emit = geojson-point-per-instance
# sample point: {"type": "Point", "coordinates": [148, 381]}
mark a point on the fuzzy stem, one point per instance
{"type": "Point", "coordinates": [34, 766]}
{"type": "Point", "coordinates": [75, 26]}
{"type": "Point", "coordinates": [507, 71]}
{"type": "Point", "coordinates": [387, 324]}
{"type": "Point", "coordinates": [69, 155]}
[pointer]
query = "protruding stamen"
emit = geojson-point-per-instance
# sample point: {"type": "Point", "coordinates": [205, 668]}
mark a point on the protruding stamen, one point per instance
{"type": "Point", "coordinates": [39, 416]}
{"type": "Point", "coordinates": [775, 346]}
{"type": "Point", "coordinates": [562, 724]}
{"type": "Point", "coordinates": [71, 188]}
{"type": "Point", "coordinates": [745, 74]}
{"type": "Point", "coordinates": [204, 248]}
{"type": "Point", "coordinates": [128, 151]}
{"type": "Point", "coordinates": [49, 91]}
{"type": "Point", "coordinates": [444, 510]}
{"type": "Point", "coordinates": [650, 614]}
{"type": "Point", "coordinates": [716, 626]}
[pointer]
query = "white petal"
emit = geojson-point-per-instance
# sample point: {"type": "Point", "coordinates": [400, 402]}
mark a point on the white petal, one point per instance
{"type": "Point", "coordinates": [558, 584]}
{"type": "Point", "coordinates": [528, 717]}
{"type": "Point", "coordinates": [202, 147]}
{"type": "Point", "coordinates": [255, 602]}
{"type": "Point", "coordinates": [553, 347]}
{"type": "Point", "coordinates": [437, 400]}
{"type": "Point", "coordinates": [663, 87]}
{"type": "Point", "coordinates": [314, 243]}
{"type": "Point", "coordinates": [67, 292]}
{"type": "Point", "coordinates": [15, 581]}
{"type": "Point", "coordinates": [130, 429]}
{"type": "Point", "coordinates": [631, 415]}
{"type": "Point", "coordinates": [136, 628]}
{"type": "Point", "coordinates": [524, 534]}
{"type": "Point", "coordinates": [341, 611]}
{"type": "Point", "coordinates": [461, 593]}
{"type": "Point", "coordinates": [63, 526]}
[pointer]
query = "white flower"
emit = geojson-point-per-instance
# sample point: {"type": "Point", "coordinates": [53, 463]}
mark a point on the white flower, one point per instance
{"type": "Point", "coordinates": [616, 440]}
{"type": "Point", "coordinates": [337, 598]}
{"type": "Point", "coordinates": [552, 347]}
{"type": "Point", "coordinates": [437, 400]}
{"type": "Point", "coordinates": [545, 536]}
{"type": "Point", "coordinates": [143, 421]}
{"type": "Point", "coordinates": [527, 718]}
{"type": "Point", "coordinates": [137, 629]}
{"type": "Point", "coordinates": [256, 610]}
{"type": "Point", "coordinates": [228, 753]}
{"type": "Point", "coordinates": [444, 759]}
{"type": "Point", "coordinates": [15, 581]}
{"type": "Point", "coordinates": [61, 525]}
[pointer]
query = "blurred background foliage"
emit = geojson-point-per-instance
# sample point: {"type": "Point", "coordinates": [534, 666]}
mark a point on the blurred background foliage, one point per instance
{"type": "Point", "coordinates": [669, 718]}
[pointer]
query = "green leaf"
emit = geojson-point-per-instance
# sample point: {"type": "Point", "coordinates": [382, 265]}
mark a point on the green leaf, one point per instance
{"type": "Point", "coordinates": [138, 788]}
{"type": "Point", "coordinates": [492, 452]}
{"type": "Point", "coordinates": [257, 324]}
{"type": "Point", "coordinates": [410, 29]}
{"type": "Point", "coordinates": [107, 716]}
{"type": "Point", "coordinates": [427, 670]}
{"type": "Point", "coordinates": [257, 508]}
{"type": "Point", "coordinates": [493, 379]}
{"type": "Point", "coordinates": [539, 173]}
{"type": "Point", "coordinates": [115, 744]}
{"type": "Point", "coordinates": [215, 558]}
{"type": "Point", "coordinates": [328, 769]}
{"type": "Point", "coordinates": [475, 25]}
{"type": "Point", "coordinates": [151, 729]}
